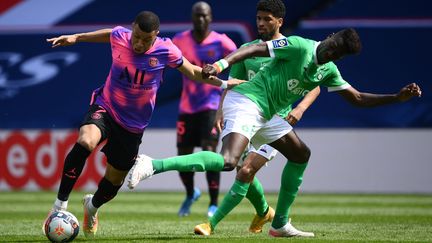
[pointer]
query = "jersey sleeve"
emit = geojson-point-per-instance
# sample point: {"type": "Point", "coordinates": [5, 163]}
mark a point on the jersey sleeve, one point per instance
{"type": "Point", "coordinates": [285, 48]}
{"type": "Point", "coordinates": [228, 45]}
{"type": "Point", "coordinates": [175, 56]}
{"type": "Point", "coordinates": [118, 34]}
{"type": "Point", "coordinates": [334, 81]}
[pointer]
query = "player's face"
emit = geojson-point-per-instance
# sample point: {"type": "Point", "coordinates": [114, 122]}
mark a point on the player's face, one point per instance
{"type": "Point", "coordinates": [201, 18]}
{"type": "Point", "coordinates": [142, 41]}
{"type": "Point", "coordinates": [267, 25]}
{"type": "Point", "coordinates": [332, 49]}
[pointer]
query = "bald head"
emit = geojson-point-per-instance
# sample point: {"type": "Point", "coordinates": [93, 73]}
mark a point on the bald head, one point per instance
{"type": "Point", "coordinates": [201, 6]}
{"type": "Point", "coordinates": [201, 18]}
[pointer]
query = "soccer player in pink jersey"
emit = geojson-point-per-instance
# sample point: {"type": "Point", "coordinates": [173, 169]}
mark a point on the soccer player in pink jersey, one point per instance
{"type": "Point", "coordinates": [121, 109]}
{"type": "Point", "coordinates": [199, 101]}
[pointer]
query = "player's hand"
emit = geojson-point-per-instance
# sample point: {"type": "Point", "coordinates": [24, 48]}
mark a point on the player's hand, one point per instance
{"type": "Point", "coordinates": [234, 82]}
{"type": "Point", "coordinates": [64, 40]}
{"type": "Point", "coordinates": [294, 116]}
{"type": "Point", "coordinates": [409, 91]}
{"type": "Point", "coordinates": [208, 70]}
{"type": "Point", "coordinates": [219, 122]}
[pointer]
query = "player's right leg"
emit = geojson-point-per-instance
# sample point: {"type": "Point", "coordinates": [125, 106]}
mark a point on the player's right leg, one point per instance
{"type": "Point", "coordinates": [233, 145]}
{"type": "Point", "coordinates": [187, 178]}
{"type": "Point", "coordinates": [264, 213]}
{"type": "Point", "coordinates": [187, 139]}
{"type": "Point", "coordinates": [145, 166]}
{"type": "Point", "coordinates": [91, 133]}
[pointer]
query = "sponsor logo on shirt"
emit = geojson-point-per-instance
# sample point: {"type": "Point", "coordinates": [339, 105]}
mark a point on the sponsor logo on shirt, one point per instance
{"type": "Point", "coordinates": [279, 43]}
{"type": "Point", "coordinates": [292, 87]}
{"type": "Point", "coordinates": [96, 116]}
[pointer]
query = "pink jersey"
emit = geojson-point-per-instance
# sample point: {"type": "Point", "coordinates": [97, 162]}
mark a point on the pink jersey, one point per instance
{"type": "Point", "coordinates": [129, 92]}
{"type": "Point", "coordinates": [197, 96]}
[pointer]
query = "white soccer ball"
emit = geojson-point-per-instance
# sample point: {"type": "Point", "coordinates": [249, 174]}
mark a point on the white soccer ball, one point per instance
{"type": "Point", "coordinates": [61, 226]}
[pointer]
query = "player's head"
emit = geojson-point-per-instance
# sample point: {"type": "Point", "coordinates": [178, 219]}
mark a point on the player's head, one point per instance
{"type": "Point", "coordinates": [145, 28]}
{"type": "Point", "coordinates": [336, 46]}
{"type": "Point", "coordinates": [201, 16]}
{"type": "Point", "coordinates": [269, 18]}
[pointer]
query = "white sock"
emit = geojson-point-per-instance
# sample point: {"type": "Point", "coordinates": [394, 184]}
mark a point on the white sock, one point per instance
{"type": "Point", "coordinates": [60, 205]}
{"type": "Point", "coordinates": [91, 208]}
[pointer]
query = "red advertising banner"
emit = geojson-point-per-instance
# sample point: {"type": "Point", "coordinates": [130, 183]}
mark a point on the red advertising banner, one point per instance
{"type": "Point", "coordinates": [33, 160]}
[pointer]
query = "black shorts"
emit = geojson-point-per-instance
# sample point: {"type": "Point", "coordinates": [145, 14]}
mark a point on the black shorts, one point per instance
{"type": "Point", "coordinates": [122, 146]}
{"type": "Point", "coordinates": [192, 129]}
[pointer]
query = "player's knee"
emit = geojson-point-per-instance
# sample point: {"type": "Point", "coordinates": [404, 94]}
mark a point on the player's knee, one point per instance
{"type": "Point", "coordinates": [87, 143]}
{"type": "Point", "coordinates": [230, 163]}
{"type": "Point", "coordinates": [304, 155]}
{"type": "Point", "coordinates": [246, 173]}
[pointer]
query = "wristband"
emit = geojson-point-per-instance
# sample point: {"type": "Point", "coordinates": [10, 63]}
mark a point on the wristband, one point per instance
{"type": "Point", "coordinates": [224, 84]}
{"type": "Point", "coordinates": [221, 65]}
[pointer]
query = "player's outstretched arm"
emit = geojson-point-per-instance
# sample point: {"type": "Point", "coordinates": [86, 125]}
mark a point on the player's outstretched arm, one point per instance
{"type": "Point", "coordinates": [193, 72]}
{"type": "Point", "coordinates": [102, 35]}
{"type": "Point", "coordinates": [255, 50]}
{"type": "Point", "coordinates": [370, 100]}
{"type": "Point", "coordinates": [296, 114]}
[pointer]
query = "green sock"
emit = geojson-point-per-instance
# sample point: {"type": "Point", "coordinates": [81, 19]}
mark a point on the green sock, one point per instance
{"type": "Point", "coordinates": [292, 177]}
{"type": "Point", "coordinates": [256, 196]}
{"type": "Point", "coordinates": [231, 200]}
{"type": "Point", "coordinates": [200, 161]}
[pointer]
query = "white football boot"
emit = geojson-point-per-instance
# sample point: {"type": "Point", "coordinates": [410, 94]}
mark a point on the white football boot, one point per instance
{"type": "Point", "coordinates": [141, 170]}
{"type": "Point", "coordinates": [289, 231]}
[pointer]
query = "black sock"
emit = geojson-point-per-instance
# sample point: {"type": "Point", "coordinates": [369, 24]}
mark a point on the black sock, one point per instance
{"type": "Point", "coordinates": [72, 168]}
{"type": "Point", "coordinates": [188, 181]}
{"type": "Point", "coordinates": [213, 181]}
{"type": "Point", "coordinates": [105, 192]}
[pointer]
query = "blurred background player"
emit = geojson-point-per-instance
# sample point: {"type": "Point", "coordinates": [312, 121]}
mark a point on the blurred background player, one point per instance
{"type": "Point", "coordinates": [199, 101]}
{"type": "Point", "coordinates": [269, 20]}
{"type": "Point", "coordinates": [121, 109]}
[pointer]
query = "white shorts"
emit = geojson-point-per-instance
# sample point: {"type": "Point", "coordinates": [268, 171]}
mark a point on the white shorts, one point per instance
{"type": "Point", "coordinates": [265, 150]}
{"type": "Point", "coordinates": [242, 115]}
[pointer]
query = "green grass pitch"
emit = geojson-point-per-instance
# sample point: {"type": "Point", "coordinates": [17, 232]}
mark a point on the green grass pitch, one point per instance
{"type": "Point", "coordinates": [151, 217]}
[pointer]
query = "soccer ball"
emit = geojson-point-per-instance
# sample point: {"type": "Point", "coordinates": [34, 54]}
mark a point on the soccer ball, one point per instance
{"type": "Point", "coordinates": [61, 226]}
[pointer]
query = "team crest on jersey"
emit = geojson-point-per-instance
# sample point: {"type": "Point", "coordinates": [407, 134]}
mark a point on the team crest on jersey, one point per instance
{"type": "Point", "coordinates": [96, 116]}
{"type": "Point", "coordinates": [279, 43]}
{"type": "Point", "coordinates": [153, 61]}
{"type": "Point", "coordinates": [211, 53]}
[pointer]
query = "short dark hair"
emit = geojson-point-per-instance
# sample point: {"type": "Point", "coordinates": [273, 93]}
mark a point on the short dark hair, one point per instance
{"type": "Point", "coordinates": [147, 21]}
{"type": "Point", "coordinates": [275, 7]}
{"type": "Point", "coordinates": [351, 41]}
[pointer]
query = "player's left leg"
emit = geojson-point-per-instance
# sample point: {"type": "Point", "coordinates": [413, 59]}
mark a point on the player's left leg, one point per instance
{"type": "Point", "coordinates": [298, 155]}
{"type": "Point", "coordinates": [121, 150]}
{"type": "Point", "coordinates": [107, 190]}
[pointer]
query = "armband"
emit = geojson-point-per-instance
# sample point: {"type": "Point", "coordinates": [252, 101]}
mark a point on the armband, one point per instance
{"type": "Point", "coordinates": [221, 65]}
